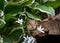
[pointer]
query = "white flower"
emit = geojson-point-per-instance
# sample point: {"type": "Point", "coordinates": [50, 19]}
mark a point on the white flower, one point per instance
{"type": "Point", "coordinates": [19, 21]}
{"type": "Point", "coordinates": [40, 29]}
{"type": "Point", "coordinates": [23, 14]}
{"type": "Point", "coordinates": [29, 39]}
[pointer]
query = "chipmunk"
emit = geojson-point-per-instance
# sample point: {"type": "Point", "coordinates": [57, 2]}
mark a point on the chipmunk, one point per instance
{"type": "Point", "coordinates": [52, 24]}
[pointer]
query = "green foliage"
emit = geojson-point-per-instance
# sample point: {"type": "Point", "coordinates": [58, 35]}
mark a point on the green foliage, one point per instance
{"type": "Point", "coordinates": [54, 4]}
{"type": "Point", "coordinates": [33, 16]}
{"type": "Point", "coordinates": [46, 9]}
{"type": "Point", "coordinates": [14, 15]}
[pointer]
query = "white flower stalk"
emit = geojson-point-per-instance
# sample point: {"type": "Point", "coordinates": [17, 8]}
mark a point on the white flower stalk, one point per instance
{"type": "Point", "coordinates": [29, 39]}
{"type": "Point", "coordinates": [19, 21]}
{"type": "Point", "coordinates": [6, 0]}
{"type": "Point", "coordinates": [48, 0]}
{"type": "Point", "coordinates": [6, 3]}
{"type": "Point", "coordinates": [52, 0]}
{"type": "Point", "coordinates": [33, 1]}
{"type": "Point", "coordinates": [40, 29]}
{"type": "Point", "coordinates": [2, 21]}
{"type": "Point", "coordinates": [2, 13]}
{"type": "Point", "coordinates": [1, 39]}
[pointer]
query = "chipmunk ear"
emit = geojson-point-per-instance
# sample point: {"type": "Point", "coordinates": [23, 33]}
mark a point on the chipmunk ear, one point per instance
{"type": "Point", "coordinates": [58, 16]}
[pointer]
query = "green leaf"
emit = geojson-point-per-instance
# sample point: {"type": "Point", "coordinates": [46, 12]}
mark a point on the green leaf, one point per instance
{"type": "Point", "coordinates": [46, 9]}
{"type": "Point", "coordinates": [48, 0]}
{"type": "Point", "coordinates": [33, 16]}
{"type": "Point", "coordinates": [16, 0]}
{"type": "Point", "coordinates": [21, 2]}
{"type": "Point", "coordinates": [2, 23]}
{"type": "Point", "coordinates": [29, 2]}
{"type": "Point", "coordinates": [54, 4]}
{"type": "Point", "coordinates": [40, 1]}
{"type": "Point", "coordinates": [16, 35]}
{"type": "Point", "coordinates": [7, 40]}
{"type": "Point", "coordinates": [3, 4]}
{"type": "Point", "coordinates": [12, 9]}
{"type": "Point", "coordinates": [8, 17]}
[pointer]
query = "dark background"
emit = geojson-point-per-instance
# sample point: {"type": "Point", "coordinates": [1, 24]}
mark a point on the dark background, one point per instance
{"type": "Point", "coordinates": [48, 39]}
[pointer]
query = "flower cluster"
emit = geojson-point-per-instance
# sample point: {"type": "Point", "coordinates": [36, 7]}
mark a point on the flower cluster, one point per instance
{"type": "Point", "coordinates": [29, 39]}
{"type": "Point", "coordinates": [19, 21]}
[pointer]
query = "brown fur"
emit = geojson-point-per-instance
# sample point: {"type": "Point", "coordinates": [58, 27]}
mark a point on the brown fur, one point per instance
{"type": "Point", "coordinates": [52, 24]}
